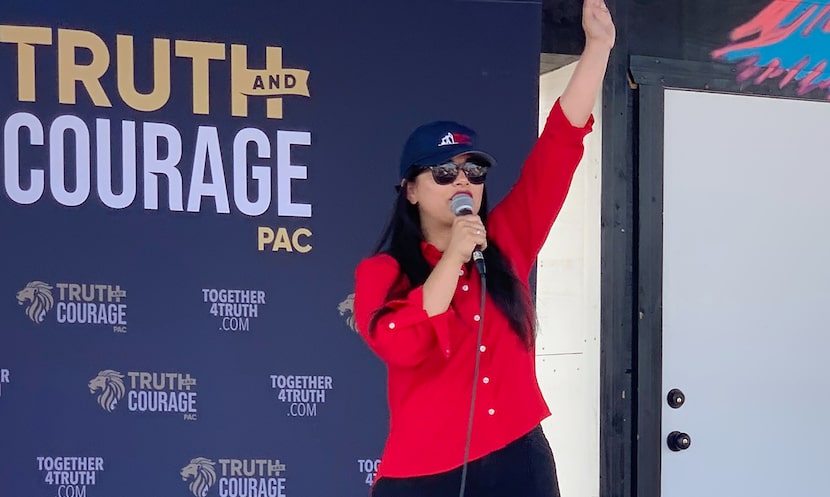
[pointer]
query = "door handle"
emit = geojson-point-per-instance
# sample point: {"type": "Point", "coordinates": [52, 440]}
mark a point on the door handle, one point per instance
{"type": "Point", "coordinates": [676, 398]}
{"type": "Point", "coordinates": [678, 441]}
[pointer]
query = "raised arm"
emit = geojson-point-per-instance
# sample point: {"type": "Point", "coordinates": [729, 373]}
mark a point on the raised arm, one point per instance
{"type": "Point", "coordinates": [582, 90]}
{"type": "Point", "coordinates": [523, 219]}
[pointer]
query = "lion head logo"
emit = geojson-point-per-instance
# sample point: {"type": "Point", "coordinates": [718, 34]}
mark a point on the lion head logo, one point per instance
{"type": "Point", "coordinates": [39, 297]}
{"type": "Point", "coordinates": [111, 385]}
{"type": "Point", "coordinates": [346, 308]}
{"type": "Point", "coordinates": [203, 473]}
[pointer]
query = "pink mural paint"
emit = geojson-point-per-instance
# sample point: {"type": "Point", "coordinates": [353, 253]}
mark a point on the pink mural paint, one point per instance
{"type": "Point", "coordinates": [789, 39]}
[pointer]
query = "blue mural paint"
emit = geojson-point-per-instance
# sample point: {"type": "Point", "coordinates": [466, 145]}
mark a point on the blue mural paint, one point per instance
{"type": "Point", "coordinates": [790, 40]}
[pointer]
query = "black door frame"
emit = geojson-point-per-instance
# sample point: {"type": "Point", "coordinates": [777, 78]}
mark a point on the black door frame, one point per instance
{"type": "Point", "coordinates": [652, 76]}
{"type": "Point", "coordinates": [631, 234]}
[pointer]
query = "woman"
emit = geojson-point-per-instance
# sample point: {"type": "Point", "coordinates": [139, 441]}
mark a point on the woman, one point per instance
{"type": "Point", "coordinates": [465, 405]}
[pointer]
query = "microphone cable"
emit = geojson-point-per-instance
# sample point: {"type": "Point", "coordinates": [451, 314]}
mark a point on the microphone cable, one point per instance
{"type": "Point", "coordinates": [482, 271]}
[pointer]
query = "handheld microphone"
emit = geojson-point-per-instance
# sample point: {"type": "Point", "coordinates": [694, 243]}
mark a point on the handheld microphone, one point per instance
{"type": "Point", "coordinates": [462, 205]}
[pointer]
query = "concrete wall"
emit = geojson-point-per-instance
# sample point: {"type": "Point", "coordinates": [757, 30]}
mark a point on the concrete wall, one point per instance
{"type": "Point", "coordinates": [568, 305]}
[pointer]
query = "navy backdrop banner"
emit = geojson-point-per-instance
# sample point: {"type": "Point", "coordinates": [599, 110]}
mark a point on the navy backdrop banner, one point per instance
{"type": "Point", "coordinates": [187, 188]}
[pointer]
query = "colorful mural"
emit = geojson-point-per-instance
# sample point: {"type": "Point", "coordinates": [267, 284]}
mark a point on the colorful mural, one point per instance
{"type": "Point", "coordinates": [789, 39]}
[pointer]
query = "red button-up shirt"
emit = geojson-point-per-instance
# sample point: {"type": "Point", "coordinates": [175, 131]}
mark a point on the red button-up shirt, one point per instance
{"type": "Point", "coordinates": [430, 360]}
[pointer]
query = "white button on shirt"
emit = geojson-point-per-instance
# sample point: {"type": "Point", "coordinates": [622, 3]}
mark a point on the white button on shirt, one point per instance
{"type": "Point", "coordinates": [482, 348]}
{"type": "Point", "coordinates": [476, 318]}
{"type": "Point", "coordinates": [486, 380]}
{"type": "Point", "coordinates": [391, 326]}
{"type": "Point", "coordinates": [491, 412]}
{"type": "Point", "coordinates": [465, 287]}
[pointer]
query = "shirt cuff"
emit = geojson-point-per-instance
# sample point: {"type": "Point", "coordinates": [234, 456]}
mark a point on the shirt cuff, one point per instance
{"type": "Point", "coordinates": [560, 127]}
{"type": "Point", "coordinates": [410, 311]}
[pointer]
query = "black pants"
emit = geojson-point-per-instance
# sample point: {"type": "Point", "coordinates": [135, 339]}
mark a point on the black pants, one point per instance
{"type": "Point", "coordinates": [525, 468]}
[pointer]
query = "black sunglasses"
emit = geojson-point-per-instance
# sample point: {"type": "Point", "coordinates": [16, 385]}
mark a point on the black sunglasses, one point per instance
{"type": "Point", "coordinates": [444, 174]}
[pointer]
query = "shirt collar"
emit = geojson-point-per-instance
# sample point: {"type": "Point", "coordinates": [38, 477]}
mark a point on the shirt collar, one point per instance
{"type": "Point", "coordinates": [431, 253]}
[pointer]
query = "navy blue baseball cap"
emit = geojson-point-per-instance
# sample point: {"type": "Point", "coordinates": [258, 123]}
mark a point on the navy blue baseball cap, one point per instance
{"type": "Point", "coordinates": [437, 143]}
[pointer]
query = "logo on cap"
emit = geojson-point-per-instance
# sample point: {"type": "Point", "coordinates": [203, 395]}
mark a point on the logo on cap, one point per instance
{"type": "Point", "coordinates": [455, 139]}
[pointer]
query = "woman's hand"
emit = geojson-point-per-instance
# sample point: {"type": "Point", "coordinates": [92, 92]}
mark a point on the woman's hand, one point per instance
{"type": "Point", "coordinates": [582, 90]}
{"type": "Point", "coordinates": [467, 232]}
{"type": "Point", "coordinates": [598, 25]}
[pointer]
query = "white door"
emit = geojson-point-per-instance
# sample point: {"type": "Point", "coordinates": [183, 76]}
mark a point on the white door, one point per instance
{"type": "Point", "coordinates": [746, 295]}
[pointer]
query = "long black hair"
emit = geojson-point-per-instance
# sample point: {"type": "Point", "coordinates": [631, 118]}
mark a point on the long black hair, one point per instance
{"type": "Point", "coordinates": [401, 239]}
